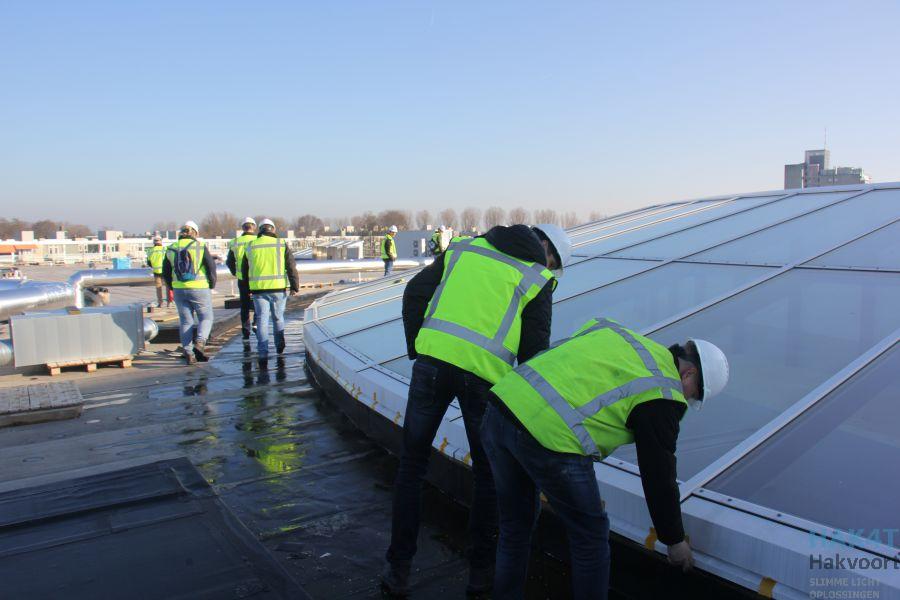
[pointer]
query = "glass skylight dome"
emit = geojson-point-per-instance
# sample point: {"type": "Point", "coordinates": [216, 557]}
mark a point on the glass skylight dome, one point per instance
{"type": "Point", "coordinates": [798, 461]}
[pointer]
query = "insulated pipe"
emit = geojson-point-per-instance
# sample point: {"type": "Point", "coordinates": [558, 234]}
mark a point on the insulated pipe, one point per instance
{"type": "Point", "coordinates": [26, 295]}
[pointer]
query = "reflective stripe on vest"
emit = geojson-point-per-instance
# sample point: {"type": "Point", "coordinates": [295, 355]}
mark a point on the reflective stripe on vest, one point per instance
{"type": "Point", "coordinates": [238, 247]}
{"type": "Point", "coordinates": [155, 256]}
{"type": "Point", "coordinates": [199, 282]}
{"type": "Point", "coordinates": [266, 274]}
{"type": "Point", "coordinates": [484, 352]}
{"type": "Point", "coordinates": [575, 417]}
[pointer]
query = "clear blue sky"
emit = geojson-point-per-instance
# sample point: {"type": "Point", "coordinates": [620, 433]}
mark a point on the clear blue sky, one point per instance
{"type": "Point", "coordinates": [126, 113]}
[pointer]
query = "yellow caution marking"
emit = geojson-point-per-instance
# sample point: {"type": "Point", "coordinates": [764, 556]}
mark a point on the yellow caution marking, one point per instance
{"type": "Point", "coordinates": [650, 542]}
{"type": "Point", "coordinates": [397, 418]}
{"type": "Point", "coordinates": [374, 398]}
{"type": "Point", "coordinates": [467, 459]}
{"type": "Point", "coordinates": [443, 445]}
{"type": "Point", "coordinates": [766, 586]}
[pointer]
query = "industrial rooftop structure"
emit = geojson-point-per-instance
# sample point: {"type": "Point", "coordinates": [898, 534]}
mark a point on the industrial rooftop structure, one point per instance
{"type": "Point", "coordinates": [795, 464]}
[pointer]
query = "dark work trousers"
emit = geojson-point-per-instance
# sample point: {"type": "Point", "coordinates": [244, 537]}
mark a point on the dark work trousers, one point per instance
{"type": "Point", "coordinates": [434, 385]}
{"type": "Point", "coordinates": [523, 468]}
{"type": "Point", "coordinates": [246, 307]}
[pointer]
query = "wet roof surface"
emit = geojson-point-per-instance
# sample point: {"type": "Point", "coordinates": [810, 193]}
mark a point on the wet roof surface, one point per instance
{"type": "Point", "coordinates": [314, 490]}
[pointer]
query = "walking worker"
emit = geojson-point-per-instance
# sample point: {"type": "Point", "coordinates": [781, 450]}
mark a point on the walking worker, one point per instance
{"type": "Point", "coordinates": [236, 249]}
{"type": "Point", "coordinates": [467, 317]}
{"type": "Point", "coordinates": [389, 250]}
{"type": "Point", "coordinates": [551, 417]}
{"type": "Point", "coordinates": [155, 255]}
{"type": "Point", "coordinates": [269, 269]}
{"type": "Point", "coordinates": [190, 272]}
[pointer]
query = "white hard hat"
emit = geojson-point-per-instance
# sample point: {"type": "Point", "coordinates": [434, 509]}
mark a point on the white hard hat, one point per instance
{"type": "Point", "coordinates": [714, 366]}
{"type": "Point", "coordinates": [191, 225]}
{"type": "Point", "coordinates": [157, 238]}
{"type": "Point", "coordinates": [247, 220]}
{"type": "Point", "coordinates": [443, 228]}
{"type": "Point", "coordinates": [560, 241]}
{"type": "Point", "coordinates": [265, 222]}
{"type": "Point", "coordinates": [393, 229]}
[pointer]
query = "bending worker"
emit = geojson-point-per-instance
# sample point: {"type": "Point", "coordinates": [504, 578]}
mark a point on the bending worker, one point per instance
{"type": "Point", "coordinates": [554, 415]}
{"type": "Point", "coordinates": [389, 250]}
{"type": "Point", "coordinates": [467, 317]}
{"type": "Point", "coordinates": [268, 268]}
{"type": "Point", "coordinates": [155, 255]}
{"type": "Point", "coordinates": [190, 271]}
{"type": "Point", "coordinates": [236, 249]}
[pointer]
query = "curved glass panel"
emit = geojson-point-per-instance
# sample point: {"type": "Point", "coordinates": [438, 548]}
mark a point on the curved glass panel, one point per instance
{"type": "Point", "coordinates": [593, 273]}
{"type": "Point", "coordinates": [878, 250]}
{"type": "Point", "coordinates": [709, 234]}
{"type": "Point", "coordinates": [402, 366]}
{"type": "Point", "coordinates": [668, 224]}
{"type": "Point", "coordinates": [394, 291]}
{"type": "Point", "coordinates": [651, 297]}
{"type": "Point", "coordinates": [378, 343]}
{"type": "Point", "coordinates": [364, 317]}
{"type": "Point", "coordinates": [815, 232]}
{"type": "Point", "coordinates": [782, 338]}
{"type": "Point", "coordinates": [840, 448]}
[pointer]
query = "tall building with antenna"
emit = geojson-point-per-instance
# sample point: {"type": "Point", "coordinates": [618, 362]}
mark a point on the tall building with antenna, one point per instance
{"type": "Point", "coordinates": [816, 171]}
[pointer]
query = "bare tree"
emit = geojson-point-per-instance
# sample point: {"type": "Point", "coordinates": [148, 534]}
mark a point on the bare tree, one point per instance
{"type": "Point", "coordinates": [309, 224]}
{"type": "Point", "coordinates": [10, 228]}
{"type": "Point", "coordinates": [393, 216]}
{"type": "Point", "coordinates": [546, 215]}
{"type": "Point", "coordinates": [423, 219]}
{"type": "Point", "coordinates": [365, 223]}
{"type": "Point", "coordinates": [76, 230]}
{"type": "Point", "coordinates": [44, 229]}
{"type": "Point", "coordinates": [494, 216]}
{"type": "Point", "coordinates": [570, 219]}
{"type": "Point", "coordinates": [518, 216]}
{"type": "Point", "coordinates": [596, 215]}
{"type": "Point", "coordinates": [165, 226]}
{"type": "Point", "coordinates": [448, 217]}
{"type": "Point", "coordinates": [470, 218]}
{"type": "Point", "coordinates": [219, 224]}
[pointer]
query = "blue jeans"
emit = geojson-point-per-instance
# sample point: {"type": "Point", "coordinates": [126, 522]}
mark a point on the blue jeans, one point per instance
{"type": "Point", "coordinates": [388, 266]}
{"type": "Point", "coordinates": [522, 469]}
{"type": "Point", "coordinates": [265, 303]}
{"type": "Point", "coordinates": [434, 385]}
{"type": "Point", "coordinates": [195, 315]}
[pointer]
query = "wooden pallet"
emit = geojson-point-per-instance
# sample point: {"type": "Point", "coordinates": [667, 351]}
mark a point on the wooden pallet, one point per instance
{"type": "Point", "coordinates": [90, 365]}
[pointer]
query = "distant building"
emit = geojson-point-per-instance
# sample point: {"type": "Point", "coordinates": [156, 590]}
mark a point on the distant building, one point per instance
{"type": "Point", "coordinates": [815, 171]}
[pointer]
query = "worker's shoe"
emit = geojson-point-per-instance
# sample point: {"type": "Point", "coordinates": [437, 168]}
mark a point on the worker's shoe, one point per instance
{"type": "Point", "coordinates": [395, 580]}
{"type": "Point", "coordinates": [279, 348]}
{"type": "Point", "coordinates": [263, 364]}
{"type": "Point", "coordinates": [189, 357]}
{"type": "Point", "coordinates": [200, 350]}
{"type": "Point", "coordinates": [481, 581]}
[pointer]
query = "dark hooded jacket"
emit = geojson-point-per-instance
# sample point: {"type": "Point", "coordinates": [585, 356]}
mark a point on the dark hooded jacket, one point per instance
{"type": "Point", "coordinates": [516, 240]}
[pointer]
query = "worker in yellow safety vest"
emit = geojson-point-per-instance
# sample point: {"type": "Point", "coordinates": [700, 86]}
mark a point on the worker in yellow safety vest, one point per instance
{"type": "Point", "coordinates": [269, 269]}
{"type": "Point", "coordinates": [554, 415]}
{"type": "Point", "coordinates": [190, 272]}
{"type": "Point", "coordinates": [468, 317]}
{"type": "Point", "coordinates": [155, 255]}
{"type": "Point", "coordinates": [389, 250]}
{"type": "Point", "coordinates": [236, 249]}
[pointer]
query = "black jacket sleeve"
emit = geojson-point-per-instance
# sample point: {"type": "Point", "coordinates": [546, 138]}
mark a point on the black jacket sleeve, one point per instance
{"type": "Point", "coordinates": [290, 267]}
{"type": "Point", "coordinates": [245, 268]}
{"type": "Point", "coordinates": [167, 270]}
{"type": "Point", "coordinates": [231, 262]}
{"type": "Point", "coordinates": [210, 263]}
{"type": "Point", "coordinates": [536, 320]}
{"type": "Point", "coordinates": [416, 297]}
{"type": "Point", "coordinates": [655, 427]}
